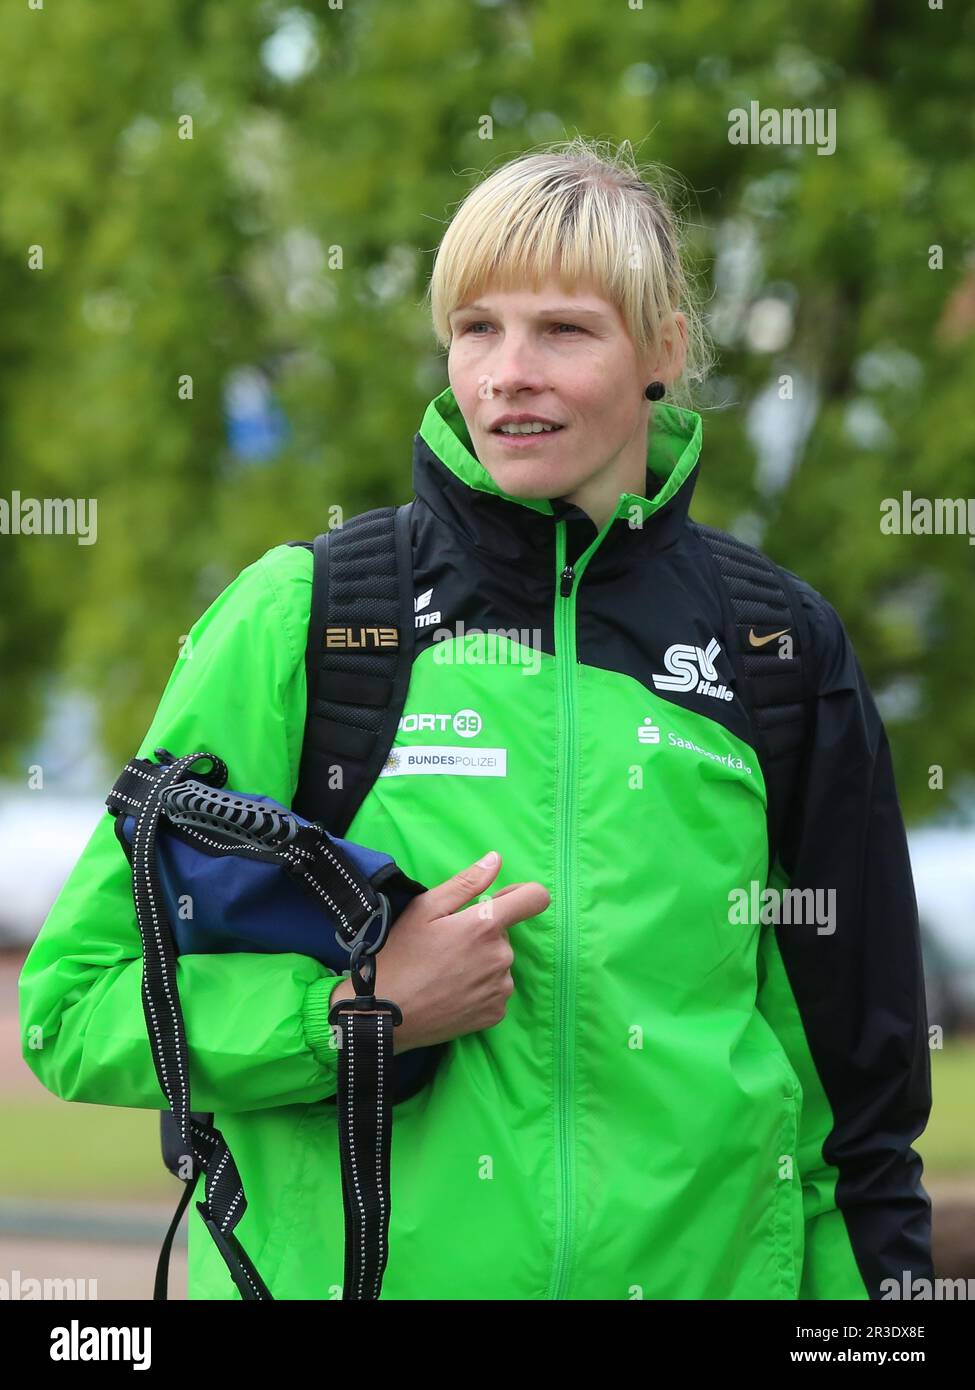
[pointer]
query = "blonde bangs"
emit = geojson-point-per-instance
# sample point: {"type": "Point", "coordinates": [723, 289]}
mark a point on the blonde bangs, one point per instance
{"type": "Point", "coordinates": [587, 216]}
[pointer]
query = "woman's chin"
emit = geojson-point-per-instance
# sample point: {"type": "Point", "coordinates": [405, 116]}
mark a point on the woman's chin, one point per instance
{"type": "Point", "coordinates": [527, 479]}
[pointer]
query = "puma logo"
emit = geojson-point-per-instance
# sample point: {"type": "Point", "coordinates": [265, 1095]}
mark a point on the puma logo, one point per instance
{"type": "Point", "coordinates": [760, 641]}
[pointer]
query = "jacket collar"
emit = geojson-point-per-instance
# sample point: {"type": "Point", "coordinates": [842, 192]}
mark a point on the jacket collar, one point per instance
{"type": "Point", "coordinates": [450, 479]}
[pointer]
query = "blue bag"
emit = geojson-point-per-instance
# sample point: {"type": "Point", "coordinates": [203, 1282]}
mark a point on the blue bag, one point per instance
{"type": "Point", "coordinates": [218, 870]}
{"type": "Point", "coordinates": [229, 866]}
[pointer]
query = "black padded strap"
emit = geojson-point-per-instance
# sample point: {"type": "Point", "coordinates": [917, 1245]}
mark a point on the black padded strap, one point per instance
{"type": "Point", "coordinates": [358, 661]}
{"type": "Point", "coordinates": [774, 679]}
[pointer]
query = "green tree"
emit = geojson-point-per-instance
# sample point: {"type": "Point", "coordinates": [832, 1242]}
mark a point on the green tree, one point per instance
{"type": "Point", "coordinates": [219, 187]}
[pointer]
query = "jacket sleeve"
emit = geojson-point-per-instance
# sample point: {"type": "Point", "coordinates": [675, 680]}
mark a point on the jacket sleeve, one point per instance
{"type": "Point", "coordinates": [845, 995]}
{"type": "Point", "coordinates": [256, 1025]}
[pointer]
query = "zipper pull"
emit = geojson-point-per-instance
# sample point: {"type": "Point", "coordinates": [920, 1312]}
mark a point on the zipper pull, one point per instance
{"type": "Point", "coordinates": [565, 586]}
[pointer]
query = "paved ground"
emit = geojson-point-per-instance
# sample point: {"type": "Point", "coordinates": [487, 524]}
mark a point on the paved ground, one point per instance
{"type": "Point", "coordinates": [100, 1270]}
{"type": "Point", "coordinates": [127, 1271]}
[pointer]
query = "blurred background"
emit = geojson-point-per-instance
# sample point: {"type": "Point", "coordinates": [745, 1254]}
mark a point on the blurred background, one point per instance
{"type": "Point", "coordinates": [217, 222]}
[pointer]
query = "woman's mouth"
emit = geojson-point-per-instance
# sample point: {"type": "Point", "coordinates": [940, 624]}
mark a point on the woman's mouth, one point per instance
{"type": "Point", "coordinates": [524, 439]}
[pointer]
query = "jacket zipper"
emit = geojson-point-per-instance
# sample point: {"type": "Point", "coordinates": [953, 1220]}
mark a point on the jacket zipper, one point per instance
{"type": "Point", "coordinates": [565, 962]}
{"type": "Point", "coordinates": [564, 646]}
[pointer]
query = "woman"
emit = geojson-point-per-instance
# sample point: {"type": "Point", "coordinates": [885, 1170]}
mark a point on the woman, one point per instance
{"type": "Point", "coordinates": [647, 1092]}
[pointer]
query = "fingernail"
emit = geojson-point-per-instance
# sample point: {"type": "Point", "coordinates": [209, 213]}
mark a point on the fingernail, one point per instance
{"type": "Point", "coordinates": [489, 860]}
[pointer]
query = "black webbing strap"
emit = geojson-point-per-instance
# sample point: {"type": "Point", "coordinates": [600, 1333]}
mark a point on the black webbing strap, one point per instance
{"type": "Point", "coordinates": [224, 1203]}
{"type": "Point", "coordinates": [365, 1113]}
{"type": "Point", "coordinates": [174, 1161]}
{"type": "Point", "coordinates": [160, 1290]}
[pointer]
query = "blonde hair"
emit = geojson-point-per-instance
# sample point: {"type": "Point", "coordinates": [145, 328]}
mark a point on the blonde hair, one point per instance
{"type": "Point", "coordinates": [585, 209]}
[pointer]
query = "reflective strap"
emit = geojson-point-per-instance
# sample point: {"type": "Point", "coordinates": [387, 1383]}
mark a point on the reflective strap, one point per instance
{"type": "Point", "coordinates": [364, 1092]}
{"type": "Point", "coordinates": [225, 1203]}
{"type": "Point", "coordinates": [365, 1123]}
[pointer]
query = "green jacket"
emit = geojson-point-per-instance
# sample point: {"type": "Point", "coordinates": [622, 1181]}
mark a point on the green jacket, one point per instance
{"type": "Point", "coordinates": [679, 1103]}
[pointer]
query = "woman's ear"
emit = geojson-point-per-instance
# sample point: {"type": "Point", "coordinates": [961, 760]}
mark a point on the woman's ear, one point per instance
{"type": "Point", "coordinates": [668, 362]}
{"type": "Point", "coordinates": [675, 334]}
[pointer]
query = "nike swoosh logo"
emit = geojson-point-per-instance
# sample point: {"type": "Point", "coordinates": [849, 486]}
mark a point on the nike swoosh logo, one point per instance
{"type": "Point", "coordinates": [760, 641]}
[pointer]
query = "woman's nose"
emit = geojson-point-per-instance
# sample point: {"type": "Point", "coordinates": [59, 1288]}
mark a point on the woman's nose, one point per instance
{"type": "Point", "coordinates": [513, 367]}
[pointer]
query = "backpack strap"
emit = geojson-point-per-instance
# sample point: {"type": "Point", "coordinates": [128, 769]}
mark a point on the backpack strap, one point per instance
{"type": "Point", "coordinates": [358, 660]}
{"type": "Point", "coordinates": [774, 680]}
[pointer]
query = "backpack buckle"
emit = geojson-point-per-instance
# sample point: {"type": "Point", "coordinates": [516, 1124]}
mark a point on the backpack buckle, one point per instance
{"type": "Point", "coordinates": [358, 942]}
{"type": "Point", "coordinates": [364, 984]}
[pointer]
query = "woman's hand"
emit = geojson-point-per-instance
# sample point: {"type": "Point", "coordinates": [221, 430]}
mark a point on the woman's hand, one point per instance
{"type": "Point", "coordinates": [448, 970]}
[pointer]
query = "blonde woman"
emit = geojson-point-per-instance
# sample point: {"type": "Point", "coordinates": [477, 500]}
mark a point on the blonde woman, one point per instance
{"type": "Point", "coordinates": [649, 1088]}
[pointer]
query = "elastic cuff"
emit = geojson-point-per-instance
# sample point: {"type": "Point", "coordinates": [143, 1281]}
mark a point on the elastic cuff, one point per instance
{"type": "Point", "coordinates": [314, 1019]}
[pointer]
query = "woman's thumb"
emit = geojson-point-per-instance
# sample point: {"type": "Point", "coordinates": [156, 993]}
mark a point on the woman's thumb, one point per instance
{"type": "Point", "coordinates": [457, 890]}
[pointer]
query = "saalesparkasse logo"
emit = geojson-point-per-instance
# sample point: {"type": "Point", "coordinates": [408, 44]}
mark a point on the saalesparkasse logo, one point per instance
{"type": "Point", "coordinates": [359, 638]}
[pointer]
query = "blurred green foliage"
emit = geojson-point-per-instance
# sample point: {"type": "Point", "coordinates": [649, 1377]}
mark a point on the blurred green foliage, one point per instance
{"type": "Point", "coordinates": [353, 130]}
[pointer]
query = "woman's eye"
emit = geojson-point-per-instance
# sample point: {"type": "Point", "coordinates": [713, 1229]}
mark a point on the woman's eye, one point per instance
{"type": "Point", "coordinates": [481, 324]}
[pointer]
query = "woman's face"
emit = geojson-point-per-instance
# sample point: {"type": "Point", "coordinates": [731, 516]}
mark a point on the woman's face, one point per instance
{"type": "Point", "coordinates": [567, 358]}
